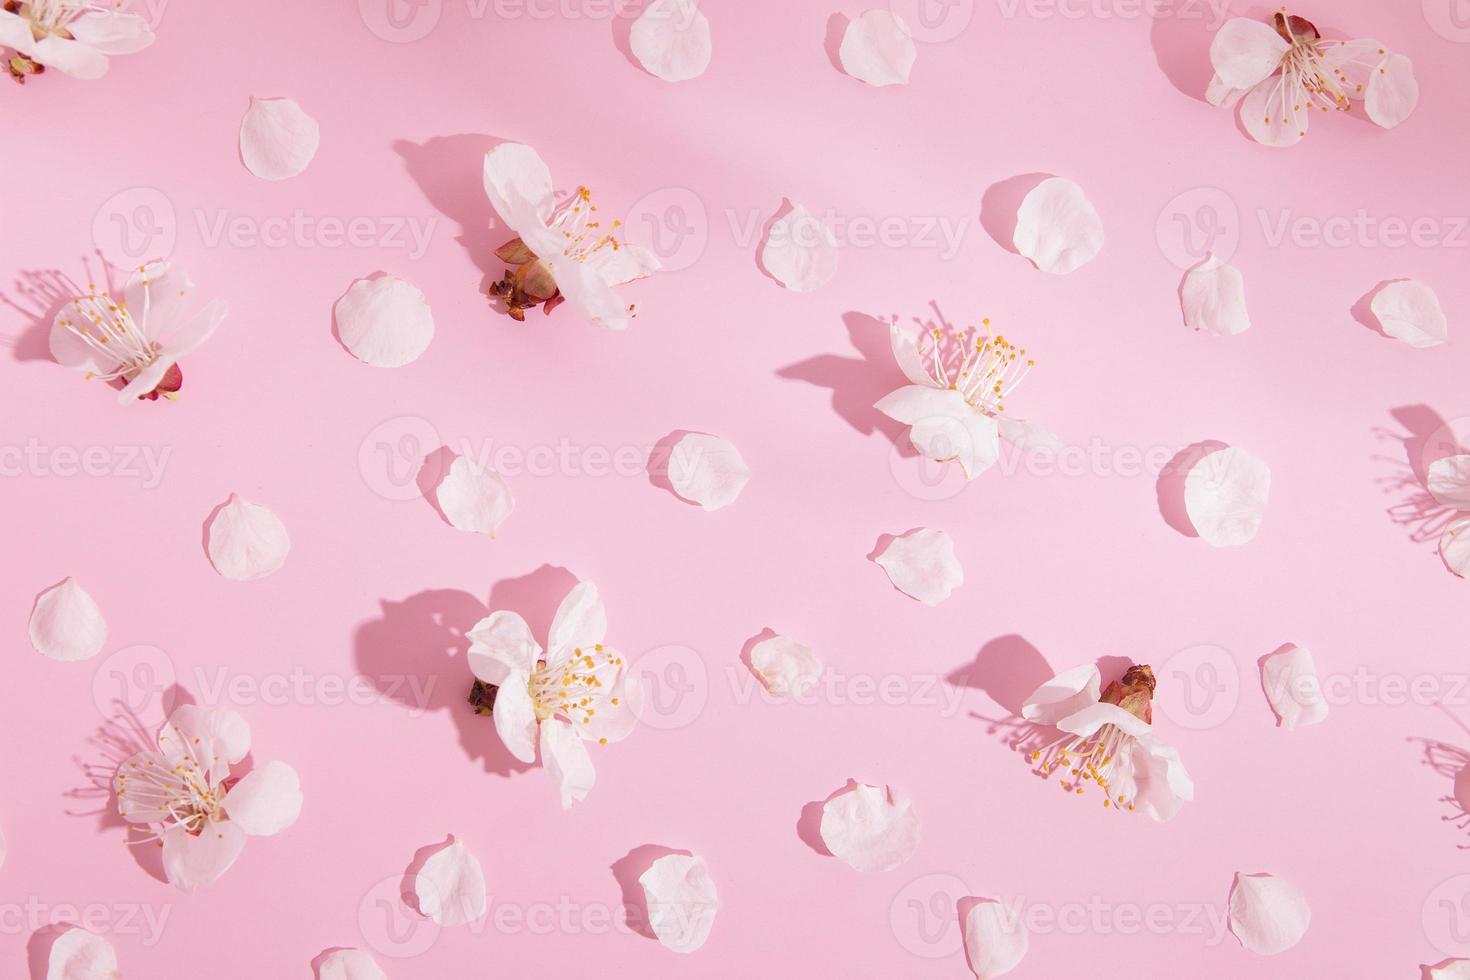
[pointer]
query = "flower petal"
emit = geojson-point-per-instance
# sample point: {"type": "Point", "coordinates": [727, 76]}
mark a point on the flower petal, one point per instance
{"type": "Point", "coordinates": [266, 801]}
{"type": "Point", "coordinates": [906, 353]}
{"type": "Point", "coordinates": [1392, 91]}
{"type": "Point", "coordinates": [870, 829]}
{"type": "Point", "coordinates": [1448, 481]}
{"type": "Point", "coordinates": [943, 426]}
{"type": "Point", "coordinates": [681, 900]}
{"type": "Point", "coordinates": [1246, 51]}
{"type": "Point", "coordinates": [15, 32]}
{"type": "Point", "coordinates": [1030, 437]}
{"type": "Point", "coordinates": [191, 861]}
{"type": "Point", "coordinates": [585, 290]}
{"type": "Point", "coordinates": [565, 758]}
{"type": "Point", "coordinates": [1220, 94]}
{"type": "Point", "coordinates": [385, 322]}
{"type": "Point", "coordinates": [157, 295]}
{"type": "Point", "coordinates": [67, 624]}
{"type": "Point", "coordinates": [111, 31]}
{"type": "Point", "coordinates": [349, 964]}
{"type": "Point", "coordinates": [1088, 719]}
{"type": "Point", "coordinates": [671, 39]}
{"type": "Point", "coordinates": [1057, 227]}
{"type": "Point", "coordinates": [922, 564]}
{"type": "Point", "coordinates": [277, 138]}
{"type": "Point", "coordinates": [1225, 496]}
{"type": "Point", "coordinates": [1160, 781]}
{"type": "Point", "coordinates": [1451, 970]}
{"type": "Point", "coordinates": [1213, 298]}
{"type": "Point", "coordinates": [1408, 310]}
{"type": "Point", "coordinates": [996, 939]}
{"type": "Point", "coordinates": [77, 954]}
{"type": "Point", "coordinates": [1454, 547]}
{"type": "Point", "coordinates": [518, 183]}
{"type": "Point", "coordinates": [214, 739]}
{"type": "Point", "coordinates": [1289, 678]}
{"type": "Point", "coordinates": [788, 668]}
{"type": "Point", "coordinates": [580, 621]}
{"type": "Point", "coordinates": [515, 716]}
{"type": "Point", "coordinates": [800, 252]}
{"type": "Point", "coordinates": [707, 470]}
{"type": "Point", "coordinates": [70, 57]}
{"type": "Point", "coordinates": [878, 49]}
{"type": "Point", "coordinates": [501, 644]}
{"type": "Point", "coordinates": [1267, 915]}
{"type": "Point", "coordinates": [450, 887]}
{"type": "Point", "coordinates": [1068, 692]}
{"type": "Point", "coordinates": [247, 541]}
{"type": "Point", "coordinates": [618, 715]}
{"type": "Point", "coordinates": [623, 264]}
{"type": "Point", "coordinates": [474, 498]}
{"type": "Point", "coordinates": [1277, 111]}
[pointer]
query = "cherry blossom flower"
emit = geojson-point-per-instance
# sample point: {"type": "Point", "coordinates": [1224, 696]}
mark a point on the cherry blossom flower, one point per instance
{"type": "Point", "coordinates": [571, 692]}
{"type": "Point", "coordinates": [186, 795]}
{"type": "Point", "coordinates": [1282, 71]}
{"type": "Point", "coordinates": [73, 36]}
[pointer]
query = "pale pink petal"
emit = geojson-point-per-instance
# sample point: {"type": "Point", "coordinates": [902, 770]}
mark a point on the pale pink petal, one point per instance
{"type": "Point", "coordinates": [69, 57]}
{"type": "Point", "coordinates": [580, 621]}
{"type": "Point", "coordinates": [67, 624]}
{"type": "Point", "coordinates": [788, 668]}
{"type": "Point", "coordinates": [157, 297]}
{"type": "Point", "coordinates": [1267, 915]}
{"type": "Point", "coordinates": [193, 860]}
{"type": "Point", "coordinates": [1451, 970]}
{"type": "Point", "coordinates": [214, 738]}
{"type": "Point", "coordinates": [1087, 720]}
{"type": "Point", "coordinates": [349, 964]}
{"type": "Point", "coordinates": [681, 900]}
{"type": "Point", "coordinates": [266, 801]}
{"type": "Point", "coordinates": [1068, 692]}
{"type": "Point", "coordinates": [515, 716]}
{"type": "Point", "coordinates": [1448, 481]}
{"type": "Point", "coordinates": [624, 264]}
{"type": "Point", "coordinates": [111, 31]}
{"type": "Point", "coordinates": [878, 49]}
{"type": "Point", "coordinates": [618, 715]}
{"type": "Point", "coordinates": [996, 939]}
{"type": "Point", "coordinates": [247, 541]}
{"type": "Point", "coordinates": [800, 251]}
{"type": "Point", "coordinates": [501, 644]}
{"type": "Point", "coordinates": [15, 32]}
{"type": "Point", "coordinates": [671, 39]}
{"type": "Point", "coordinates": [943, 426]}
{"type": "Point", "coordinates": [1213, 298]}
{"type": "Point", "coordinates": [70, 350]}
{"type": "Point", "coordinates": [473, 497]}
{"type": "Point", "coordinates": [869, 828]}
{"type": "Point", "coordinates": [1289, 678]}
{"type": "Point", "coordinates": [922, 564]}
{"type": "Point", "coordinates": [1030, 437]}
{"type": "Point", "coordinates": [1277, 111]}
{"type": "Point", "coordinates": [1160, 782]}
{"type": "Point", "coordinates": [585, 290]}
{"type": "Point", "coordinates": [519, 186]}
{"type": "Point", "coordinates": [566, 760]}
{"type": "Point", "coordinates": [1220, 94]}
{"type": "Point", "coordinates": [1225, 496]}
{"type": "Point", "coordinates": [1057, 227]}
{"type": "Point", "coordinates": [450, 887]}
{"type": "Point", "coordinates": [906, 353]}
{"type": "Point", "coordinates": [1408, 310]}
{"type": "Point", "coordinates": [1245, 51]}
{"type": "Point", "coordinates": [77, 954]}
{"type": "Point", "coordinates": [385, 322]}
{"type": "Point", "coordinates": [707, 470]}
{"type": "Point", "coordinates": [277, 138]}
{"type": "Point", "coordinates": [1454, 547]}
{"type": "Point", "coordinates": [1392, 91]}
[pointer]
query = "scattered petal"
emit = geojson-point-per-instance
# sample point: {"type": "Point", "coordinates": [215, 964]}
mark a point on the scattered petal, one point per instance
{"type": "Point", "coordinates": [707, 470]}
{"type": "Point", "coordinates": [996, 939]}
{"type": "Point", "coordinates": [349, 964]}
{"type": "Point", "coordinates": [1057, 228]}
{"type": "Point", "coordinates": [800, 251]}
{"type": "Point", "coordinates": [77, 954]}
{"type": "Point", "coordinates": [1063, 695]}
{"type": "Point", "coordinates": [870, 829]}
{"type": "Point", "coordinates": [1225, 496]}
{"type": "Point", "coordinates": [1213, 298]}
{"type": "Point", "coordinates": [277, 138]}
{"type": "Point", "coordinates": [1289, 678]}
{"type": "Point", "coordinates": [1454, 547]}
{"type": "Point", "coordinates": [473, 497]}
{"type": "Point", "coordinates": [266, 801]}
{"type": "Point", "coordinates": [1266, 914]}
{"type": "Point", "coordinates": [1408, 310]}
{"type": "Point", "coordinates": [1448, 481]}
{"type": "Point", "coordinates": [922, 564]}
{"type": "Point", "coordinates": [385, 322]}
{"type": "Point", "coordinates": [450, 887]}
{"type": "Point", "coordinates": [67, 624]}
{"type": "Point", "coordinates": [787, 668]}
{"type": "Point", "coordinates": [1392, 92]}
{"type": "Point", "coordinates": [247, 541]}
{"type": "Point", "coordinates": [878, 49]}
{"type": "Point", "coordinates": [1451, 970]}
{"type": "Point", "coordinates": [671, 40]}
{"type": "Point", "coordinates": [681, 900]}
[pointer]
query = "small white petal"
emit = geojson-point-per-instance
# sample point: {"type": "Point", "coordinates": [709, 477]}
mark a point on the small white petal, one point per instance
{"type": "Point", "coordinates": [349, 964]}
{"type": "Point", "coordinates": [450, 886]}
{"type": "Point", "coordinates": [515, 716]}
{"type": "Point", "coordinates": [1057, 227]}
{"type": "Point", "coordinates": [385, 322]}
{"type": "Point", "coordinates": [1408, 310]}
{"type": "Point", "coordinates": [580, 621]}
{"type": "Point", "coordinates": [266, 801]}
{"type": "Point", "coordinates": [1392, 91]}
{"type": "Point", "coordinates": [800, 251]}
{"type": "Point", "coordinates": [671, 39]}
{"type": "Point", "coordinates": [878, 49]}
{"type": "Point", "coordinates": [869, 828]}
{"type": "Point", "coordinates": [1063, 695]}
{"type": "Point", "coordinates": [1451, 970]}
{"type": "Point", "coordinates": [1213, 298]}
{"type": "Point", "coordinates": [1222, 95]}
{"type": "Point", "coordinates": [277, 138]}
{"type": "Point", "coordinates": [787, 668]}
{"type": "Point", "coordinates": [1277, 111]}
{"type": "Point", "coordinates": [1225, 496]}
{"type": "Point", "coordinates": [1267, 915]}
{"type": "Point", "coordinates": [519, 186]}
{"type": "Point", "coordinates": [191, 861]}
{"type": "Point", "coordinates": [501, 644]}
{"type": "Point", "coordinates": [1289, 678]}
{"type": "Point", "coordinates": [77, 954]}
{"type": "Point", "coordinates": [996, 939]}
{"type": "Point", "coordinates": [1244, 51]}
{"type": "Point", "coordinates": [1454, 547]}
{"type": "Point", "coordinates": [1029, 437]}
{"type": "Point", "coordinates": [707, 470]}
{"type": "Point", "coordinates": [67, 624]}
{"type": "Point", "coordinates": [922, 564]}
{"type": "Point", "coordinates": [681, 900]}
{"type": "Point", "coordinates": [1448, 481]}
{"type": "Point", "coordinates": [247, 541]}
{"type": "Point", "coordinates": [565, 757]}
{"type": "Point", "coordinates": [474, 498]}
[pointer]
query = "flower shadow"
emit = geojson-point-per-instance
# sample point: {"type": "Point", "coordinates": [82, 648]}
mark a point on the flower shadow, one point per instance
{"type": "Point", "coordinates": [660, 457]}
{"type": "Point", "coordinates": [1169, 487]}
{"type": "Point", "coordinates": [1181, 39]}
{"type": "Point", "coordinates": [1425, 437]}
{"type": "Point", "coordinates": [39, 296]}
{"type": "Point", "coordinates": [1000, 204]}
{"type": "Point", "coordinates": [626, 871]}
{"type": "Point", "coordinates": [1453, 764]}
{"type": "Point", "coordinates": [624, 13]}
{"type": "Point", "coordinates": [858, 382]}
{"type": "Point", "coordinates": [448, 169]}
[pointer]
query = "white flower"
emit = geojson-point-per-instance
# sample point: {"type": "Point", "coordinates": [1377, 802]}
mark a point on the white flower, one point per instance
{"type": "Point", "coordinates": [1108, 741]}
{"type": "Point", "coordinates": [73, 36]}
{"type": "Point", "coordinates": [1280, 72]}
{"type": "Point", "coordinates": [564, 252]}
{"type": "Point", "coordinates": [574, 692]}
{"type": "Point", "coordinates": [137, 342]}
{"type": "Point", "coordinates": [186, 794]}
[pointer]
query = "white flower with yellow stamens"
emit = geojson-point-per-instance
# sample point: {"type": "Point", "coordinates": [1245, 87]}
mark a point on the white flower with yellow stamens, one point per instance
{"type": "Point", "coordinates": [575, 692]}
{"type": "Point", "coordinates": [73, 36]}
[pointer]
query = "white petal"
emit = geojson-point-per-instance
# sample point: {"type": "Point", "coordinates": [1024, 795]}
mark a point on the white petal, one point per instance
{"type": "Point", "coordinates": [1289, 678]}
{"type": "Point", "coordinates": [474, 498]}
{"type": "Point", "coordinates": [1392, 91]}
{"type": "Point", "coordinates": [585, 289]}
{"type": "Point", "coordinates": [1160, 781]}
{"type": "Point", "coordinates": [922, 564]}
{"type": "Point", "coordinates": [1225, 496]}
{"type": "Point", "coordinates": [870, 829]}
{"type": "Point", "coordinates": [247, 541]}
{"type": "Point", "coordinates": [565, 758]}
{"type": "Point", "coordinates": [1266, 914]}
{"type": "Point", "coordinates": [1220, 94]}
{"type": "Point", "coordinates": [1454, 547]}
{"type": "Point", "coordinates": [1057, 227]}
{"type": "Point", "coordinates": [1451, 970]}
{"type": "Point", "coordinates": [67, 624]}
{"type": "Point", "coordinates": [580, 621]}
{"type": "Point", "coordinates": [501, 644]}
{"type": "Point", "coordinates": [996, 939]}
{"type": "Point", "coordinates": [213, 738]}
{"type": "Point", "coordinates": [111, 31]}
{"type": "Point", "coordinates": [1277, 111]}
{"type": "Point", "coordinates": [1448, 481]}
{"type": "Point", "coordinates": [877, 49]}
{"type": "Point", "coordinates": [157, 296]}
{"type": "Point", "coordinates": [943, 427]}
{"type": "Point", "coordinates": [191, 861]}
{"type": "Point", "coordinates": [77, 954]}
{"type": "Point", "coordinates": [671, 40]}
{"type": "Point", "coordinates": [450, 886]}
{"type": "Point", "coordinates": [623, 264]}
{"type": "Point", "coordinates": [385, 322]}
{"type": "Point", "coordinates": [1087, 720]}
{"type": "Point", "coordinates": [1245, 51]}
{"type": "Point", "coordinates": [349, 964]}
{"type": "Point", "coordinates": [707, 470]}
{"type": "Point", "coordinates": [906, 353]}
{"type": "Point", "coordinates": [787, 668]}
{"type": "Point", "coordinates": [519, 186]}
{"type": "Point", "coordinates": [1068, 692]}
{"type": "Point", "coordinates": [800, 251]}
{"type": "Point", "coordinates": [1408, 310]}
{"type": "Point", "coordinates": [515, 717]}
{"type": "Point", "coordinates": [277, 138]}
{"type": "Point", "coordinates": [1027, 436]}
{"type": "Point", "coordinates": [1213, 298]}
{"type": "Point", "coordinates": [681, 900]}
{"type": "Point", "coordinates": [69, 57]}
{"type": "Point", "coordinates": [266, 801]}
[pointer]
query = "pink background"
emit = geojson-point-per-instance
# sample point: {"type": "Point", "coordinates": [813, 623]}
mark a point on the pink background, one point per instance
{"type": "Point", "coordinates": [1061, 568]}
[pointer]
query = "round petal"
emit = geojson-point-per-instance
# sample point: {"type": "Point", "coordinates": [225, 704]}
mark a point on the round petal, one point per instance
{"type": "Point", "coordinates": [878, 49]}
{"type": "Point", "coordinates": [266, 801]}
{"type": "Point", "coordinates": [515, 716]}
{"type": "Point", "coordinates": [585, 290]}
{"type": "Point", "coordinates": [501, 644]}
{"type": "Point", "coordinates": [1217, 93]}
{"type": "Point", "coordinates": [617, 715]}
{"type": "Point", "coordinates": [191, 861]}
{"type": "Point", "coordinates": [681, 900]}
{"type": "Point", "coordinates": [943, 426]}
{"type": "Point", "coordinates": [247, 541]}
{"type": "Point", "coordinates": [800, 251]}
{"type": "Point", "coordinates": [996, 939]}
{"type": "Point", "coordinates": [1160, 782]}
{"type": "Point", "coordinates": [1245, 52]}
{"type": "Point", "coordinates": [450, 887]}
{"type": "Point", "coordinates": [1454, 547]}
{"type": "Point", "coordinates": [518, 183]}
{"type": "Point", "coordinates": [1213, 298]}
{"type": "Point", "coordinates": [1087, 720]}
{"type": "Point", "coordinates": [1289, 678]}
{"type": "Point", "coordinates": [671, 39]}
{"type": "Point", "coordinates": [15, 32]}
{"type": "Point", "coordinates": [565, 758]}
{"type": "Point", "coordinates": [1225, 496]}
{"type": "Point", "coordinates": [1392, 91]}
{"type": "Point", "coordinates": [69, 57]}
{"type": "Point", "coordinates": [1276, 112]}
{"type": "Point", "coordinates": [1408, 310]}
{"type": "Point", "coordinates": [1451, 970]}
{"type": "Point", "coordinates": [70, 350]}
{"type": "Point", "coordinates": [111, 31]}
{"type": "Point", "coordinates": [788, 668]}
{"type": "Point", "coordinates": [906, 353]}
{"type": "Point", "coordinates": [707, 470]}
{"type": "Point", "coordinates": [580, 621]}
{"type": "Point", "coordinates": [77, 954]}
{"type": "Point", "coordinates": [1031, 437]}
{"type": "Point", "coordinates": [1267, 915]}
{"type": "Point", "coordinates": [623, 264]}
{"type": "Point", "coordinates": [157, 296]}
{"type": "Point", "coordinates": [1063, 695]}
{"type": "Point", "coordinates": [474, 498]}
{"type": "Point", "coordinates": [277, 138]}
{"type": "Point", "coordinates": [67, 624]}
{"type": "Point", "coordinates": [1448, 480]}
{"type": "Point", "coordinates": [385, 322]}
{"type": "Point", "coordinates": [1057, 227]}
{"type": "Point", "coordinates": [213, 738]}
{"type": "Point", "coordinates": [349, 964]}
{"type": "Point", "coordinates": [870, 829]}
{"type": "Point", "coordinates": [922, 564]}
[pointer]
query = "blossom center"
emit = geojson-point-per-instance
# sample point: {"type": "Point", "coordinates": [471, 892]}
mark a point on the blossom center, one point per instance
{"type": "Point", "coordinates": [984, 368]}
{"type": "Point", "coordinates": [582, 231]}
{"type": "Point", "coordinates": [576, 687]}
{"type": "Point", "coordinates": [107, 327]}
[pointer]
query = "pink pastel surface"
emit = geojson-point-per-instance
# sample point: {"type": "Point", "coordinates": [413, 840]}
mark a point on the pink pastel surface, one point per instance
{"type": "Point", "coordinates": [1061, 567]}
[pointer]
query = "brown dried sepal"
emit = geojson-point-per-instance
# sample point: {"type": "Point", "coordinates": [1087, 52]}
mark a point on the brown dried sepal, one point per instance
{"type": "Point", "coordinates": [528, 285]}
{"type": "Point", "coordinates": [1294, 29]}
{"type": "Point", "coordinates": [482, 697]}
{"type": "Point", "coordinates": [1134, 693]}
{"type": "Point", "coordinates": [20, 68]}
